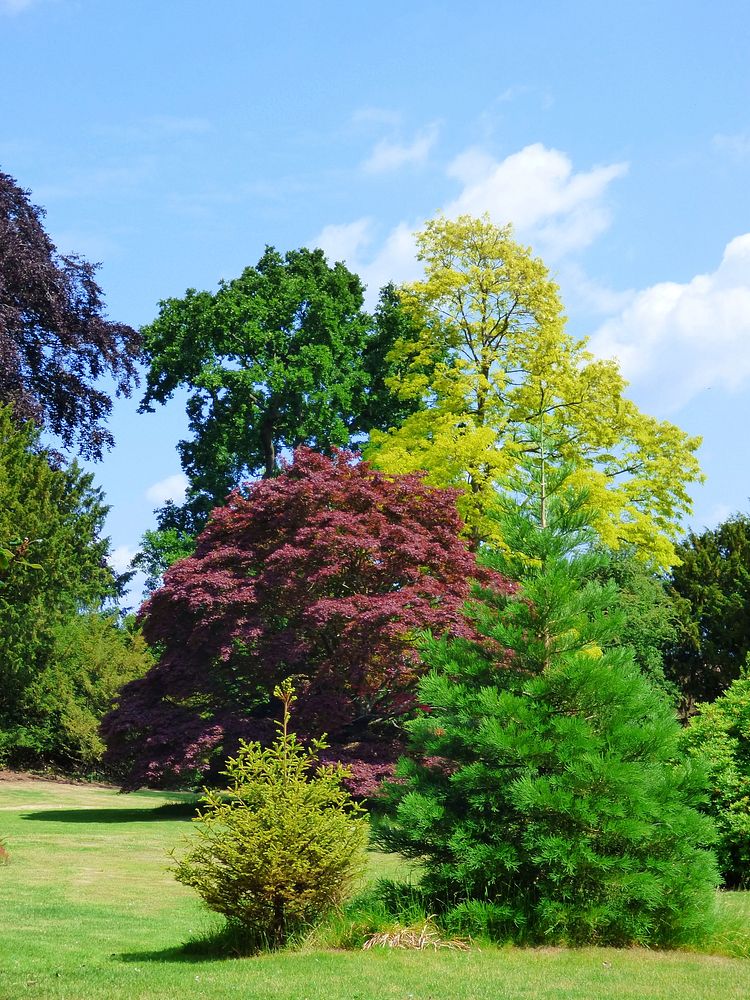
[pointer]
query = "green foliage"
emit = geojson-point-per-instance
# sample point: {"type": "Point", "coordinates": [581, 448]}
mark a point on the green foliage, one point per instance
{"type": "Point", "coordinates": [719, 736]}
{"type": "Point", "coordinates": [12, 555]}
{"type": "Point", "coordinates": [381, 907]}
{"type": "Point", "coordinates": [650, 618]}
{"type": "Point", "coordinates": [711, 585]}
{"type": "Point", "coordinates": [282, 356]}
{"type": "Point", "coordinates": [57, 569]}
{"type": "Point", "coordinates": [91, 657]}
{"type": "Point", "coordinates": [492, 356]}
{"type": "Point", "coordinates": [160, 549]}
{"type": "Point", "coordinates": [546, 793]}
{"type": "Point", "coordinates": [283, 846]}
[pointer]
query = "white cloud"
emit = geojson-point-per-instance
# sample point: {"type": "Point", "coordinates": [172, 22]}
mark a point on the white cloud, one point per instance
{"type": "Point", "coordinates": [550, 204]}
{"type": "Point", "coordinates": [388, 155]}
{"type": "Point", "coordinates": [537, 190]}
{"type": "Point", "coordinates": [172, 488]}
{"type": "Point", "coordinates": [395, 260]}
{"type": "Point", "coordinates": [581, 293]}
{"type": "Point", "coordinates": [345, 242]}
{"type": "Point", "coordinates": [120, 558]}
{"type": "Point", "coordinates": [679, 339]}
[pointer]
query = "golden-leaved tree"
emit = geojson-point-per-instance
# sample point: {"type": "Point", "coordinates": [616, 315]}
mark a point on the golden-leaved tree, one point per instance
{"type": "Point", "coordinates": [498, 376]}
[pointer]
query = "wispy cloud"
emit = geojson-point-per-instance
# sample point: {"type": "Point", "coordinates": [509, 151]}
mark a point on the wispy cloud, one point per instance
{"type": "Point", "coordinates": [736, 145]}
{"type": "Point", "coordinates": [347, 241]}
{"type": "Point", "coordinates": [156, 128]}
{"type": "Point", "coordinates": [390, 155]}
{"type": "Point", "coordinates": [101, 180]}
{"type": "Point", "coordinates": [376, 116]}
{"type": "Point", "coordinates": [16, 6]}
{"type": "Point", "coordinates": [172, 488]}
{"type": "Point", "coordinates": [677, 340]}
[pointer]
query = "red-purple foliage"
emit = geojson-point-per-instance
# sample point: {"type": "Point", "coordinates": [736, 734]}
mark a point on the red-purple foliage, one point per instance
{"type": "Point", "coordinates": [324, 573]}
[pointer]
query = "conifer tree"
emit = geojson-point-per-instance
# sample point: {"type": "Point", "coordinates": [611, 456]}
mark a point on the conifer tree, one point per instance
{"type": "Point", "coordinates": [285, 845]}
{"type": "Point", "coordinates": [546, 795]}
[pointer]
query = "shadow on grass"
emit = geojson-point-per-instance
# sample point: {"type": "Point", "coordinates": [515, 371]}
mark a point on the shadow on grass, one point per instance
{"type": "Point", "coordinates": [227, 942]}
{"type": "Point", "coordinates": [181, 953]}
{"type": "Point", "coordinates": [170, 811]}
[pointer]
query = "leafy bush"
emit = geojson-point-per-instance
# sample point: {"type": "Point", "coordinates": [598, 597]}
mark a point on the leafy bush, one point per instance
{"type": "Point", "coordinates": [91, 656]}
{"type": "Point", "coordinates": [719, 736]}
{"type": "Point", "coordinates": [284, 845]}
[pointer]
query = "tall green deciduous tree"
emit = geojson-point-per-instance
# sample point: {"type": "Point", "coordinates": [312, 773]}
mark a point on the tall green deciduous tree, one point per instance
{"type": "Point", "coordinates": [58, 515]}
{"type": "Point", "coordinates": [282, 356]}
{"type": "Point", "coordinates": [711, 585]}
{"type": "Point", "coordinates": [492, 358]}
{"type": "Point", "coordinates": [545, 795]}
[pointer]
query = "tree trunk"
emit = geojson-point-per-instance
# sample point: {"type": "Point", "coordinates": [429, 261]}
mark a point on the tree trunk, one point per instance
{"type": "Point", "coordinates": [269, 449]}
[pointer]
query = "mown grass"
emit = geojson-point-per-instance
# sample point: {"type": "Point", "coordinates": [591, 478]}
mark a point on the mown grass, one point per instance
{"type": "Point", "coordinates": [89, 911]}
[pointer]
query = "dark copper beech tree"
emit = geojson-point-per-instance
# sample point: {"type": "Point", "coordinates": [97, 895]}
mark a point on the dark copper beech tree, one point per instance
{"type": "Point", "coordinates": [55, 341]}
{"type": "Point", "coordinates": [323, 574]}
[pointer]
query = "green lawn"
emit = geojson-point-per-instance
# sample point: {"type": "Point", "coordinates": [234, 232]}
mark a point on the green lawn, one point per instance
{"type": "Point", "coordinates": [89, 912]}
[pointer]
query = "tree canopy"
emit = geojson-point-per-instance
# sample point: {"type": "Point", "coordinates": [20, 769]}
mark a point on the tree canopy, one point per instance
{"type": "Point", "coordinates": [57, 515]}
{"type": "Point", "coordinates": [285, 355]}
{"type": "Point", "coordinates": [322, 573]}
{"type": "Point", "coordinates": [55, 341]}
{"type": "Point", "coordinates": [711, 585]}
{"type": "Point", "coordinates": [492, 357]}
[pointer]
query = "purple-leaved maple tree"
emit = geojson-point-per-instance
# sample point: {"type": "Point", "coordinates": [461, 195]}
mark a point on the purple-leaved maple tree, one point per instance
{"type": "Point", "coordinates": [324, 574]}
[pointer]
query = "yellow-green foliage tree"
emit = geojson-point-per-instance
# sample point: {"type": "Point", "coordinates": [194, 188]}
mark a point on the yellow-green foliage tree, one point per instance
{"type": "Point", "coordinates": [493, 359]}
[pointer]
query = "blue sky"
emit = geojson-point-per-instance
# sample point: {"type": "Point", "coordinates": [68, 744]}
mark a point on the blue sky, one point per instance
{"type": "Point", "coordinates": [172, 139]}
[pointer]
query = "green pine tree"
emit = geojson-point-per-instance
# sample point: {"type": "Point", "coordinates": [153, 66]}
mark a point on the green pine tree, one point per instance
{"type": "Point", "coordinates": [546, 794]}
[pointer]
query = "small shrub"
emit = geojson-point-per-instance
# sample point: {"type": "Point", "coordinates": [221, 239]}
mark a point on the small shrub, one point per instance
{"type": "Point", "coordinates": [283, 846]}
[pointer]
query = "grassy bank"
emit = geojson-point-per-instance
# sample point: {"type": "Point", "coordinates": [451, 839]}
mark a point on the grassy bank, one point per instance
{"type": "Point", "coordinates": [88, 912]}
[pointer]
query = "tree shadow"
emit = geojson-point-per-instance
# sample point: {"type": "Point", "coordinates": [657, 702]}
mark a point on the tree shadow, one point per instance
{"type": "Point", "coordinates": [230, 941]}
{"type": "Point", "coordinates": [178, 953]}
{"type": "Point", "coordinates": [169, 811]}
